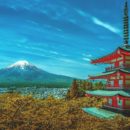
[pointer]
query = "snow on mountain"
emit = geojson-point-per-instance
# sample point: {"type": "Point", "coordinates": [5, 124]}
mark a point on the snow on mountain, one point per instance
{"type": "Point", "coordinates": [21, 64]}
{"type": "Point", "coordinates": [25, 72]}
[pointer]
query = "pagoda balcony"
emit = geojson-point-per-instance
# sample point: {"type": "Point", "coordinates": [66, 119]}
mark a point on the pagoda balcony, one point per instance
{"type": "Point", "coordinates": [115, 87]}
{"type": "Point", "coordinates": [120, 86]}
{"type": "Point", "coordinates": [123, 66]}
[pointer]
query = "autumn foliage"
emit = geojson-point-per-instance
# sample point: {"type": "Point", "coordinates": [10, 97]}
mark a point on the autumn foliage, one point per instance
{"type": "Point", "coordinates": [79, 87]}
{"type": "Point", "coordinates": [26, 113]}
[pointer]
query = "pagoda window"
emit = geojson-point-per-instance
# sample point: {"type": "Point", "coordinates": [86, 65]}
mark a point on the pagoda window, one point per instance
{"type": "Point", "coordinates": [127, 83]}
{"type": "Point", "coordinates": [111, 83]}
{"type": "Point", "coordinates": [127, 63]}
{"type": "Point", "coordinates": [120, 58]}
{"type": "Point", "coordinates": [120, 83]}
{"type": "Point", "coordinates": [113, 65]}
{"type": "Point", "coordinates": [110, 101]}
{"type": "Point", "coordinates": [121, 63]}
{"type": "Point", "coordinates": [127, 77]}
{"type": "Point", "coordinates": [127, 103]}
{"type": "Point", "coordinates": [127, 57]}
{"type": "Point", "coordinates": [119, 102]}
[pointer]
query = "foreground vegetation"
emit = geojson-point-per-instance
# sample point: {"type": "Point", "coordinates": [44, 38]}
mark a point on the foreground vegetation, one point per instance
{"type": "Point", "coordinates": [79, 88]}
{"type": "Point", "coordinates": [19, 112]}
{"type": "Point", "coordinates": [26, 113]}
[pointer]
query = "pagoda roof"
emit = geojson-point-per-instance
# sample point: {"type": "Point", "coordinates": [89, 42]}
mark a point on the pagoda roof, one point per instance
{"type": "Point", "coordinates": [107, 93]}
{"type": "Point", "coordinates": [125, 70]}
{"type": "Point", "coordinates": [104, 74]}
{"type": "Point", "coordinates": [117, 53]}
{"type": "Point", "coordinates": [101, 113]}
{"type": "Point", "coordinates": [125, 48]}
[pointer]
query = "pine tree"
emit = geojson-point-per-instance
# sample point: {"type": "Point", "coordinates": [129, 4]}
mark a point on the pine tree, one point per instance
{"type": "Point", "coordinates": [74, 89]}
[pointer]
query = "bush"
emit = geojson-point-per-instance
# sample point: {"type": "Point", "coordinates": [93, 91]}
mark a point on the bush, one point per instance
{"type": "Point", "coordinates": [26, 113]}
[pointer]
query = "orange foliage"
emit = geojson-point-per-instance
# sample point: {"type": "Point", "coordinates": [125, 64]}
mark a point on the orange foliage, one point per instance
{"type": "Point", "coordinates": [26, 113]}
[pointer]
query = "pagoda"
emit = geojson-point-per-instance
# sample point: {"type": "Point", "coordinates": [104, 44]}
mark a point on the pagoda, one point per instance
{"type": "Point", "coordinates": [117, 76]}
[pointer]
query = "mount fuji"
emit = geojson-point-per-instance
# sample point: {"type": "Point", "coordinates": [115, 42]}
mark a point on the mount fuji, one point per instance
{"type": "Point", "coordinates": [22, 73]}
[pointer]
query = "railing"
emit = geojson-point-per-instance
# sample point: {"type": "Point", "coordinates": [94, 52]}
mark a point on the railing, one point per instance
{"type": "Point", "coordinates": [112, 107]}
{"type": "Point", "coordinates": [109, 86]}
{"type": "Point", "coordinates": [120, 66]}
{"type": "Point", "coordinates": [120, 86]}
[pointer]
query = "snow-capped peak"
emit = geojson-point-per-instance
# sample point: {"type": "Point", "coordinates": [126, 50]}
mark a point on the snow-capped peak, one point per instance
{"type": "Point", "coordinates": [22, 64]}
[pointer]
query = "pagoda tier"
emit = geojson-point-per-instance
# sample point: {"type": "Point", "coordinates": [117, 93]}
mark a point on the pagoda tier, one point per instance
{"type": "Point", "coordinates": [117, 79]}
{"type": "Point", "coordinates": [122, 54]}
{"type": "Point", "coordinates": [117, 90]}
{"type": "Point", "coordinates": [116, 100]}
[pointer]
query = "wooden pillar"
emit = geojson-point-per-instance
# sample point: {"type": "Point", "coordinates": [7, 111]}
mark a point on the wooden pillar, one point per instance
{"type": "Point", "coordinates": [123, 105]}
{"type": "Point", "coordinates": [124, 59]}
{"type": "Point", "coordinates": [116, 83]}
{"type": "Point", "coordinates": [116, 63]}
{"type": "Point", "coordinates": [124, 81]}
{"type": "Point", "coordinates": [108, 82]}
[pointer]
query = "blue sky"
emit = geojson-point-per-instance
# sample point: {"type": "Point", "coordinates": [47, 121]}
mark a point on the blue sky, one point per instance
{"type": "Point", "coordinates": [60, 36]}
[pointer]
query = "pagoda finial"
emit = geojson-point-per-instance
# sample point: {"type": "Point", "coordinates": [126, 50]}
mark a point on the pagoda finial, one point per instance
{"type": "Point", "coordinates": [126, 25]}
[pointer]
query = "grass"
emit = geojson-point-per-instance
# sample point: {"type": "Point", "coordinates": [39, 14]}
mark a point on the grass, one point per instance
{"type": "Point", "coordinates": [19, 112]}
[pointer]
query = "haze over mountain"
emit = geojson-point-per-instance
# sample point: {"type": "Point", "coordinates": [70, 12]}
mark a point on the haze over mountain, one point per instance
{"type": "Point", "coordinates": [24, 73]}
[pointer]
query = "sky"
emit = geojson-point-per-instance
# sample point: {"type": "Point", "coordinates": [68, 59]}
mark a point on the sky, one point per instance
{"type": "Point", "coordinates": [60, 36]}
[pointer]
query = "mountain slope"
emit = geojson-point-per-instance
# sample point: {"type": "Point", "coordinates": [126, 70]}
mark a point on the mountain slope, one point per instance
{"type": "Point", "coordinates": [22, 72]}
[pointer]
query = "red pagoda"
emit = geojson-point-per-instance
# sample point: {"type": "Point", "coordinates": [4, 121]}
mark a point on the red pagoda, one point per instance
{"type": "Point", "coordinates": [117, 76]}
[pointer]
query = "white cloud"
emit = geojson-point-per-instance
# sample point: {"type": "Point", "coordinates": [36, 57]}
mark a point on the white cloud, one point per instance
{"type": "Point", "coordinates": [82, 13]}
{"type": "Point", "coordinates": [98, 22]}
{"type": "Point", "coordinates": [54, 52]}
{"type": "Point", "coordinates": [86, 59]}
{"type": "Point", "coordinates": [74, 63]}
{"type": "Point", "coordinates": [87, 55]}
{"type": "Point", "coordinates": [67, 60]}
{"type": "Point", "coordinates": [106, 25]}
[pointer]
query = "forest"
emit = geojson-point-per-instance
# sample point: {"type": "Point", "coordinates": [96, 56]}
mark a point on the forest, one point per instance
{"type": "Point", "coordinates": [19, 112]}
{"type": "Point", "coordinates": [35, 84]}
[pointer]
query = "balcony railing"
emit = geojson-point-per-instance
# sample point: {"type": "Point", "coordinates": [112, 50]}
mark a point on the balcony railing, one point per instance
{"type": "Point", "coordinates": [120, 66]}
{"type": "Point", "coordinates": [120, 86]}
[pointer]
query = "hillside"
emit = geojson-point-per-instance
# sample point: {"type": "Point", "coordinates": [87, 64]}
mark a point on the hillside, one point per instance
{"type": "Point", "coordinates": [26, 113]}
{"type": "Point", "coordinates": [22, 73]}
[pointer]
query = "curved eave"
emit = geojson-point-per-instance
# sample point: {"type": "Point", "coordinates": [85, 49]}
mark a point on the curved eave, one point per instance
{"type": "Point", "coordinates": [125, 51]}
{"type": "Point", "coordinates": [102, 75]}
{"type": "Point", "coordinates": [125, 48]}
{"type": "Point", "coordinates": [125, 71]}
{"type": "Point", "coordinates": [107, 58]}
{"type": "Point", "coordinates": [107, 93]}
{"type": "Point", "coordinates": [107, 74]}
{"type": "Point", "coordinates": [117, 53]}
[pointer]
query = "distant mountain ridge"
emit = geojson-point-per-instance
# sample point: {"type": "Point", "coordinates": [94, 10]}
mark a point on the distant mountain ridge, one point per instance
{"type": "Point", "coordinates": [22, 72]}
